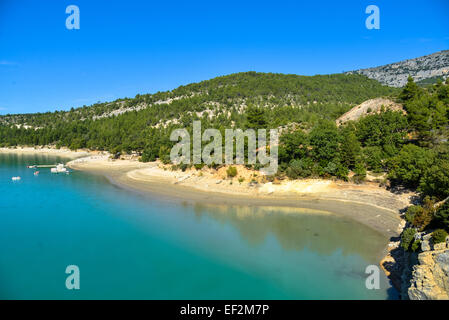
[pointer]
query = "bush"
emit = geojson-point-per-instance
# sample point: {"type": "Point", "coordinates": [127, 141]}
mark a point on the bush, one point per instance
{"type": "Point", "coordinates": [77, 143]}
{"type": "Point", "coordinates": [422, 219]}
{"type": "Point", "coordinates": [164, 154]}
{"type": "Point", "coordinates": [214, 165]}
{"type": "Point", "coordinates": [373, 158]}
{"type": "Point", "coordinates": [407, 238]}
{"type": "Point", "coordinates": [409, 165]}
{"type": "Point", "coordinates": [199, 166]}
{"type": "Point", "coordinates": [412, 211]}
{"type": "Point", "coordinates": [421, 216]}
{"type": "Point", "coordinates": [342, 172]}
{"type": "Point", "coordinates": [439, 236]}
{"type": "Point", "coordinates": [359, 173]}
{"type": "Point", "coordinates": [231, 172]}
{"type": "Point", "coordinates": [299, 168]}
{"type": "Point", "coordinates": [435, 180]}
{"type": "Point", "coordinates": [416, 245]}
{"type": "Point", "coordinates": [442, 216]}
{"type": "Point", "coordinates": [147, 155]}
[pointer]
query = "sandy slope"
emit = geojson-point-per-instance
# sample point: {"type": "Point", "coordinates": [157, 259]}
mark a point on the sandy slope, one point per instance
{"type": "Point", "coordinates": [372, 106]}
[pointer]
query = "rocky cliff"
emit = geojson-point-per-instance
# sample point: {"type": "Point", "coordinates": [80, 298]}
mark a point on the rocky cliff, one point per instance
{"type": "Point", "coordinates": [432, 66]}
{"type": "Point", "coordinates": [430, 276]}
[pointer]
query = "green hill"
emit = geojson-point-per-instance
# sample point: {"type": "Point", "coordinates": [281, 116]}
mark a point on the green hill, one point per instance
{"type": "Point", "coordinates": [130, 124]}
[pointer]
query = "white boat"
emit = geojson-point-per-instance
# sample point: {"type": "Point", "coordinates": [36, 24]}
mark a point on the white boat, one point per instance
{"type": "Point", "coordinates": [59, 169]}
{"type": "Point", "coordinates": [15, 178]}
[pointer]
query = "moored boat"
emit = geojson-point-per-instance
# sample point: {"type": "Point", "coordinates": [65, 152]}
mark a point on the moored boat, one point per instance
{"type": "Point", "coordinates": [59, 169]}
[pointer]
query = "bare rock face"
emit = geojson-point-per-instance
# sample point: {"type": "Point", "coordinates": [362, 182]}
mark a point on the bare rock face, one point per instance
{"type": "Point", "coordinates": [425, 245]}
{"type": "Point", "coordinates": [422, 68]}
{"type": "Point", "coordinates": [372, 106]}
{"type": "Point", "coordinates": [430, 277]}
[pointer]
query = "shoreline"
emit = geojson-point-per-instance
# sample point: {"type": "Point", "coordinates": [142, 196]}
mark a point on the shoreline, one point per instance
{"type": "Point", "coordinates": [62, 152]}
{"type": "Point", "coordinates": [367, 204]}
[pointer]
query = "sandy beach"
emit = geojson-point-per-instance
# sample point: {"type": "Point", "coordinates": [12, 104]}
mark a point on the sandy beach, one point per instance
{"type": "Point", "coordinates": [366, 203]}
{"type": "Point", "coordinates": [62, 152]}
{"type": "Point", "coordinates": [369, 204]}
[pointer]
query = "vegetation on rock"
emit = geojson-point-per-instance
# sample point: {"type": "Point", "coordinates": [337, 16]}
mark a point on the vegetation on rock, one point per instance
{"type": "Point", "coordinates": [439, 236]}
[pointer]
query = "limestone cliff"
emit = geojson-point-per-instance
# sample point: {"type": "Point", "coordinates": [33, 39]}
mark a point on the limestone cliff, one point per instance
{"type": "Point", "coordinates": [430, 276]}
{"type": "Point", "coordinates": [435, 65]}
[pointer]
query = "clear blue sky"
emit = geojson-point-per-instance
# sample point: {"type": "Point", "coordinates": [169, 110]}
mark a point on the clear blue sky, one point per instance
{"type": "Point", "coordinates": [129, 47]}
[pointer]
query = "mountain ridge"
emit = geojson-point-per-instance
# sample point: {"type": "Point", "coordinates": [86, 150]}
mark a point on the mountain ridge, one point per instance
{"type": "Point", "coordinates": [432, 66]}
{"type": "Point", "coordinates": [231, 92]}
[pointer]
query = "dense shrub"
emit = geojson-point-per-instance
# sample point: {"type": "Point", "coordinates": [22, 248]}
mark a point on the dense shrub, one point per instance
{"type": "Point", "coordinates": [373, 158]}
{"type": "Point", "coordinates": [300, 168]}
{"type": "Point", "coordinates": [421, 216]}
{"type": "Point", "coordinates": [442, 216]}
{"type": "Point", "coordinates": [412, 211]}
{"type": "Point", "coordinates": [359, 173]}
{"type": "Point", "coordinates": [407, 238]}
{"type": "Point", "coordinates": [439, 236]}
{"type": "Point", "coordinates": [231, 172]}
{"type": "Point", "coordinates": [435, 180]}
{"type": "Point", "coordinates": [409, 165]}
{"type": "Point", "coordinates": [416, 245]}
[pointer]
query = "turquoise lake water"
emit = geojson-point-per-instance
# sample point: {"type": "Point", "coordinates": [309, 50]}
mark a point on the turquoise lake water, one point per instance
{"type": "Point", "coordinates": [129, 246]}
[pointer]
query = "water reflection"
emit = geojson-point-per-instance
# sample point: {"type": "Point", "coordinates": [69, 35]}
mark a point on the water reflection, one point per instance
{"type": "Point", "coordinates": [298, 229]}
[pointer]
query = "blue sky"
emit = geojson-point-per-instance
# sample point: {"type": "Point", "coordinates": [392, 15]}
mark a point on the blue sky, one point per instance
{"type": "Point", "coordinates": [128, 47]}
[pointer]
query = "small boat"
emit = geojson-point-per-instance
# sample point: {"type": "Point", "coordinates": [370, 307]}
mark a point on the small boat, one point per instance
{"type": "Point", "coordinates": [31, 167]}
{"type": "Point", "coordinates": [15, 178]}
{"type": "Point", "coordinates": [59, 169]}
{"type": "Point", "coordinates": [36, 173]}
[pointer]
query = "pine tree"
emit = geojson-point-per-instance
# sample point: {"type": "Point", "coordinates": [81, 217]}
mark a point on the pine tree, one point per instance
{"type": "Point", "coordinates": [255, 118]}
{"type": "Point", "coordinates": [410, 91]}
{"type": "Point", "coordinates": [349, 149]}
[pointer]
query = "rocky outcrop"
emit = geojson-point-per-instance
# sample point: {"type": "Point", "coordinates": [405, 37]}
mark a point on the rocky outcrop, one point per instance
{"type": "Point", "coordinates": [435, 65]}
{"type": "Point", "coordinates": [368, 107]}
{"type": "Point", "coordinates": [430, 276]}
{"type": "Point", "coordinates": [419, 276]}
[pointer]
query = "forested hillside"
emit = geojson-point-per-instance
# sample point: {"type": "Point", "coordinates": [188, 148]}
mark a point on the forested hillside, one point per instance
{"type": "Point", "coordinates": [145, 121]}
{"type": "Point", "coordinates": [410, 148]}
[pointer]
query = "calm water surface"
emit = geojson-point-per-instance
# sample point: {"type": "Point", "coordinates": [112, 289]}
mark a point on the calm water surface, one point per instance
{"type": "Point", "coordinates": [129, 246]}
